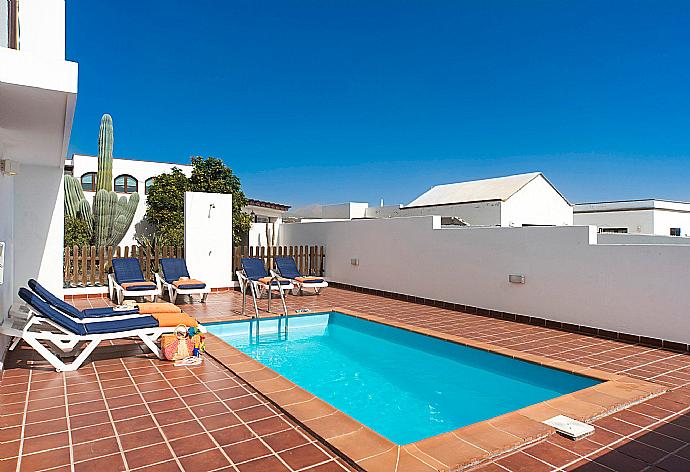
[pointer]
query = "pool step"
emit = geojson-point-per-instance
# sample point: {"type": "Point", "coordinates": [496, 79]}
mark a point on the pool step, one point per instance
{"type": "Point", "coordinates": [569, 427]}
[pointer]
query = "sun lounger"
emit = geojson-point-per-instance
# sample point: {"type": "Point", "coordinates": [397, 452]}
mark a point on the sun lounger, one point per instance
{"type": "Point", "coordinates": [286, 267]}
{"type": "Point", "coordinates": [46, 325]}
{"type": "Point", "coordinates": [254, 272]}
{"type": "Point", "coordinates": [127, 280]}
{"type": "Point", "coordinates": [172, 270]}
{"type": "Point", "coordinates": [255, 277]}
{"type": "Point", "coordinates": [71, 310]}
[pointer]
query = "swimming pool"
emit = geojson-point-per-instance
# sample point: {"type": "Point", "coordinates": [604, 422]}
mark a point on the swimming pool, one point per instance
{"type": "Point", "coordinates": [404, 385]}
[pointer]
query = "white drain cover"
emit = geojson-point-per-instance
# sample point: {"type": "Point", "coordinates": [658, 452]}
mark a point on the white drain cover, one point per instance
{"type": "Point", "coordinates": [569, 427]}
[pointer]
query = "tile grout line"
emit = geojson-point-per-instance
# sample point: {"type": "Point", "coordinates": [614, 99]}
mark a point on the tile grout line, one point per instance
{"type": "Point", "coordinates": [26, 410]}
{"type": "Point", "coordinates": [668, 372]}
{"type": "Point", "coordinates": [112, 421]}
{"type": "Point", "coordinates": [69, 428]}
{"type": "Point", "coordinates": [670, 454]}
{"type": "Point", "coordinates": [198, 420]}
{"type": "Point", "coordinates": [243, 422]}
{"type": "Point", "coordinates": [650, 362]}
{"type": "Point", "coordinates": [153, 417]}
{"type": "Point", "coordinates": [630, 436]}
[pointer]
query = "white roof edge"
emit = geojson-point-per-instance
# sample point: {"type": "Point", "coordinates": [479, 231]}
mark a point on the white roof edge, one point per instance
{"type": "Point", "coordinates": [556, 189]}
{"type": "Point", "coordinates": [623, 205]}
{"type": "Point", "coordinates": [491, 189]}
{"type": "Point", "coordinates": [174, 164]}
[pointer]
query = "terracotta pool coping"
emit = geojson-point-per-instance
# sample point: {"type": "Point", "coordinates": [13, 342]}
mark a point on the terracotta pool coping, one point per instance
{"type": "Point", "coordinates": [455, 450]}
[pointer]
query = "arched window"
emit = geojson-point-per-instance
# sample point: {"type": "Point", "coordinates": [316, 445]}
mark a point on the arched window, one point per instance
{"type": "Point", "coordinates": [148, 184]}
{"type": "Point", "coordinates": [88, 182]}
{"type": "Point", "coordinates": [125, 184]}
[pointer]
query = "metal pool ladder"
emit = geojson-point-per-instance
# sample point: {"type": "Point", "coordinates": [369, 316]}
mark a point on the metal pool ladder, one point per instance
{"type": "Point", "coordinates": [280, 292]}
{"type": "Point", "coordinates": [244, 282]}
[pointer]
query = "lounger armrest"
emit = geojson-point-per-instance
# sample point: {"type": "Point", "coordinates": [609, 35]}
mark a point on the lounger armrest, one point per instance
{"type": "Point", "coordinates": [242, 280]}
{"type": "Point", "coordinates": [112, 284]}
{"type": "Point", "coordinates": [160, 282]}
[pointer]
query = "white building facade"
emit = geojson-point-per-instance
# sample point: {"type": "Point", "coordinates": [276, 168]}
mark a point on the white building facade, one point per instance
{"type": "Point", "coordinates": [649, 217]}
{"type": "Point", "coordinates": [130, 175]}
{"type": "Point", "coordinates": [38, 91]}
{"type": "Point", "coordinates": [514, 200]}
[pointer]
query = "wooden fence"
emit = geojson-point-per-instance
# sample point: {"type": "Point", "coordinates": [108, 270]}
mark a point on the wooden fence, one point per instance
{"type": "Point", "coordinates": [310, 259]}
{"type": "Point", "coordinates": [88, 266]}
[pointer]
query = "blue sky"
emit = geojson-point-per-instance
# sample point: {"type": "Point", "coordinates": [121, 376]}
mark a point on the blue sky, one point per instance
{"type": "Point", "coordinates": [328, 101]}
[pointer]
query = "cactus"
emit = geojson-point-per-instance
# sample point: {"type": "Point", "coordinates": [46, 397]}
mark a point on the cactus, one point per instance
{"type": "Point", "coordinates": [84, 212]}
{"type": "Point", "coordinates": [110, 217]}
{"type": "Point", "coordinates": [73, 195]}
{"type": "Point", "coordinates": [104, 178]}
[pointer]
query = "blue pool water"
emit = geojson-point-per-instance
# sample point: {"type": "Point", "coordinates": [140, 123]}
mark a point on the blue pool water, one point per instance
{"type": "Point", "coordinates": [404, 385]}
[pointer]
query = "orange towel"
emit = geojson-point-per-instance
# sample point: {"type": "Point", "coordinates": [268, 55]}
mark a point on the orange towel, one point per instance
{"type": "Point", "coordinates": [127, 285]}
{"type": "Point", "coordinates": [177, 283]}
{"type": "Point", "coordinates": [160, 307]}
{"type": "Point", "coordinates": [171, 320]}
{"type": "Point", "coordinates": [266, 280]}
{"type": "Point", "coordinates": [308, 279]}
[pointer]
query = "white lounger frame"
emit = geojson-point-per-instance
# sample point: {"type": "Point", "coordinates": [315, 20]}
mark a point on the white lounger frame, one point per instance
{"type": "Point", "coordinates": [69, 343]}
{"type": "Point", "coordinates": [173, 291]}
{"type": "Point", "coordinates": [118, 293]}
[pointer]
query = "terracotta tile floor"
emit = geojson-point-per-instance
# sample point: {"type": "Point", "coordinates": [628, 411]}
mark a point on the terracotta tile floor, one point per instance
{"type": "Point", "coordinates": [125, 410]}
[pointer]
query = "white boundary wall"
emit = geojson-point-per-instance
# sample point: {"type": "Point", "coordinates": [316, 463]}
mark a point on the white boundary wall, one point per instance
{"type": "Point", "coordinates": [208, 237]}
{"type": "Point", "coordinates": [634, 289]}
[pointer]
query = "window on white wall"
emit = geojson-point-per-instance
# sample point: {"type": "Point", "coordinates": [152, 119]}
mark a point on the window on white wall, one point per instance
{"type": "Point", "coordinates": [88, 182]}
{"type": "Point", "coordinates": [148, 184]}
{"type": "Point", "coordinates": [125, 184]}
{"type": "Point", "coordinates": [613, 230]}
{"type": "Point", "coordinates": [675, 231]}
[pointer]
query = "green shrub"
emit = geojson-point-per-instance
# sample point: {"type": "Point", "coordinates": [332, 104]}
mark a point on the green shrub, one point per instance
{"type": "Point", "coordinates": [77, 232]}
{"type": "Point", "coordinates": [165, 198]}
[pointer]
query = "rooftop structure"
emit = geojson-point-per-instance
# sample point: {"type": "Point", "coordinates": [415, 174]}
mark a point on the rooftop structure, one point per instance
{"type": "Point", "coordinates": [648, 216]}
{"type": "Point", "coordinates": [498, 188]}
{"type": "Point", "coordinates": [514, 200]}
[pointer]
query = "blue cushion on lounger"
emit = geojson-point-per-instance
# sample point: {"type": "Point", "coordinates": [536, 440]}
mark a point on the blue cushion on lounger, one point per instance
{"type": "Point", "coordinates": [139, 288]}
{"type": "Point", "coordinates": [174, 269]}
{"type": "Point", "coordinates": [96, 327]}
{"type": "Point", "coordinates": [46, 295]}
{"type": "Point", "coordinates": [191, 286]}
{"type": "Point", "coordinates": [107, 311]}
{"type": "Point", "coordinates": [38, 304]}
{"type": "Point", "coordinates": [116, 326]}
{"type": "Point", "coordinates": [127, 269]}
{"type": "Point", "coordinates": [254, 268]}
{"type": "Point", "coordinates": [313, 281]}
{"type": "Point", "coordinates": [287, 267]}
{"type": "Point", "coordinates": [70, 309]}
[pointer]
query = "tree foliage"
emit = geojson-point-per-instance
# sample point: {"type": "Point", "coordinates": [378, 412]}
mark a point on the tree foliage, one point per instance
{"type": "Point", "coordinates": [165, 198]}
{"type": "Point", "coordinates": [77, 232]}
